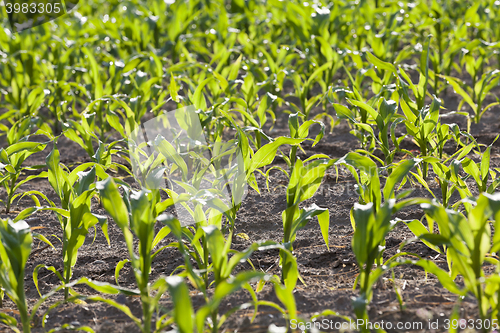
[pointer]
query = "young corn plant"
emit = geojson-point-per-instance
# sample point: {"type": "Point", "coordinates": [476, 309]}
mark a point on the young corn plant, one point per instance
{"type": "Point", "coordinates": [206, 180]}
{"type": "Point", "coordinates": [384, 119]}
{"type": "Point", "coordinates": [475, 96]}
{"type": "Point", "coordinates": [469, 244]}
{"type": "Point", "coordinates": [15, 248]}
{"type": "Point", "coordinates": [358, 117]}
{"type": "Point", "coordinates": [75, 190]}
{"type": "Point", "coordinates": [255, 121]}
{"type": "Point", "coordinates": [23, 128]}
{"type": "Point", "coordinates": [301, 131]}
{"type": "Point", "coordinates": [372, 221]}
{"type": "Point", "coordinates": [421, 124]}
{"type": "Point", "coordinates": [11, 160]}
{"type": "Point", "coordinates": [188, 320]}
{"type": "Point", "coordinates": [263, 157]}
{"type": "Point", "coordinates": [82, 133]}
{"type": "Point", "coordinates": [447, 176]}
{"type": "Point", "coordinates": [445, 133]}
{"type": "Point", "coordinates": [368, 244]}
{"type": "Point", "coordinates": [135, 214]}
{"type": "Point", "coordinates": [420, 90]}
{"type": "Point", "coordinates": [481, 172]}
{"type": "Point", "coordinates": [303, 87]}
{"type": "Point", "coordinates": [207, 247]}
{"type": "Point", "coordinates": [183, 315]}
{"type": "Point", "coordinates": [305, 180]}
{"type": "Point", "coordinates": [368, 180]}
{"type": "Point", "coordinates": [449, 181]}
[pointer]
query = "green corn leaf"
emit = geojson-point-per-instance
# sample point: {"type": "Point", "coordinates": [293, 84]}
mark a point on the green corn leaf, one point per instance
{"type": "Point", "coordinates": [293, 125]}
{"type": "Point", "coordinates": [118, 268]}
{"type": "Point", "coordinates": [265, 155]}
{"type": "Point", "coordinates": [361, 243]}
{"type": "Point", "coordinates": [49, 268]}
{"type": "Point", "coordinates": [15, 247]}
{"type": "Point", "coordinates": [304, 130]}
{"type": "Point", "coordinates": [285, 295]}
{"type": "Point", "coordinates": [374, 114]}
{"type": "Point", "coordinates": [96, 77]}
{"type": "Point", "coordinates": [112, 201]}
{"type": "Point", "coordinates": [173, 89]}
{"type": "Point", "coordinates": [183, 309]}
{"type": "Point", "coordinates": [55, 174]}
{"type": "Point", "coordinates": [216, 246]}
{"type": "Point", "coordinates": [235, 68]}
{"type": "Point", "coordinates": [324, 224]}
{"type": "Point", "coordinates": [85, 179]}
{"type": "Point", "coordinates": [10, 321]}
{"type": "Point", "coordinates": [164, 232]}
{"type": "Point", "coordinates": [344, 112]}
{"type": "Point", "coordinates": [21, 146]}
{"type": "Point", "coordinates": [485, 164]}
{"type": "Point", "coordinates": [418, 230]}
{"type": "Point", "coordinates": [198, 99]}
{"type": "Point", "coordinates": [380, 64]}
{"type": "Point", "coordinates": [397, 175]}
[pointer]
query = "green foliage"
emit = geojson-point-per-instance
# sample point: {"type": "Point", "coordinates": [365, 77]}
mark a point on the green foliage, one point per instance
{"type": "Point", "coordinates": [15, 248]}
{"type": "Point", "coordinates": [368, 244]}
{"type": "Point", "coordinates": [421, 125]}
{"type": "Point", "coordinates": [189, 320]}
{"type": "Point", "coordinates": [372, 221]}
{"type": "Point", "coordinates": [481, 172]}
{"type": "Point", "coordinates": [301, 131]}
{"type": "Point", "coordinates": [134, 214]}
{"type": "Point", "coordinates": [383, 119]}
{"type": "Point", "coordinates": [75, 190]}
{"type": "Point", "coordinates": [305, 180]}
{"type": "Point", "coordinates": [11, 160]}
{"type": "Point", "coordinates": [210, 251]}
{"type": "Point", "coordinates": [468, 244]}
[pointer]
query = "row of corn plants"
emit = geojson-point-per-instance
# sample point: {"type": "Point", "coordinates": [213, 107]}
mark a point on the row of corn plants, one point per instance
{"type": "Point", "coordinates": [386, 68]}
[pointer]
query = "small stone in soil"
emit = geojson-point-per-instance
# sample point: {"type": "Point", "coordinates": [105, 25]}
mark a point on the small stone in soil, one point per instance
{"type": "Point", "coordinates": [122, 299]}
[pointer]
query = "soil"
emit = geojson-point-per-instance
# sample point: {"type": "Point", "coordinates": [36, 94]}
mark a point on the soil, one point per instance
{"type": "Point", "coordinates": [329, 274]}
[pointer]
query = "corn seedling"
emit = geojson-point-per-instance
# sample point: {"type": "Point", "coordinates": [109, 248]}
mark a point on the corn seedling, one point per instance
{"type": "Point", "coordinates": [75, 191]}
{"type": "Point", "coordinates": [210, 251]}
{"type": "Point", "coordinates": [305, 180]}
{"type": "Point", "coordinates": [188, 320]}
{"type": "Point", "coordinates": [11, 160]}
{"type": "Point", "coordinates": [301, 131]}
{"type": "Point", "coordinates": [481, 172]}
{"type": "Point", "coordinates": [421, 126]}
{"type": "Point", "coordinates": [82, 133]}
{"type": "Point", "coordinates": [383, 118]}
{"type": "Point", "coordinates": [134, 214]}
{"type": "Point", "coordinates": [468, 246]}
{"type": "Point", "coordinates": [368, 245]}
{"type": "Point", "coordinates": [15, 248]}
